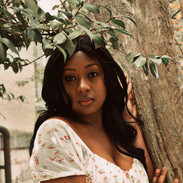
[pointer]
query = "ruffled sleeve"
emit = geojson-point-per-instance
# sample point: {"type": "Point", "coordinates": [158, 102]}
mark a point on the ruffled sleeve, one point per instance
{"type": "Point", "coordinates": [56, 152]}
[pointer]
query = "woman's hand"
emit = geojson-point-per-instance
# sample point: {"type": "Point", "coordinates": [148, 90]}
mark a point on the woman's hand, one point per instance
{"type": "Point", "coordinates": [160, 175]}
{"type": "Point", "coordinates": [130, 104]}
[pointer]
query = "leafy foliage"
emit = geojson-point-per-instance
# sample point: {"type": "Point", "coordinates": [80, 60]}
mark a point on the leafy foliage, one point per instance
{"type": "Point", "coordinates": [10, 96]}
{"type": "Point", "coordinates": [148, 62]}
{"type": "Point", "coordinates": [23, 22]}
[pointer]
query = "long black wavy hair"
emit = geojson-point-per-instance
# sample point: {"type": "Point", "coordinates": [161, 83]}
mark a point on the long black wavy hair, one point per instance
{"type": "Point", "coordinates": [54, 94]}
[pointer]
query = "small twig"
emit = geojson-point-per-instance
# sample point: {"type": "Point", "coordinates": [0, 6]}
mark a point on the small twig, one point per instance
{"type": "Point", "coordinates": [35, 60]}
{"type": "Point", "coordinates": [8, 3]}
{"type": "Point", "coordinates": [175, 14]}
{"type": "Point", "coordinates": [179, 46]}
{"type": "Point", "coordinates": [64, 6]}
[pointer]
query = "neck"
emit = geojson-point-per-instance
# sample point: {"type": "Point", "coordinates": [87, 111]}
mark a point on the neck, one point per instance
{"type": "Point", "coordinates": [94, 120]}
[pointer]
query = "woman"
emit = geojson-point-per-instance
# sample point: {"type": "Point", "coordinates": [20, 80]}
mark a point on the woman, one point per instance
{"type": "Point", "coordinates": [87, 134]}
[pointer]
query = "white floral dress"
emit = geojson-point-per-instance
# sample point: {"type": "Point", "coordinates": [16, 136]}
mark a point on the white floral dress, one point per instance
{"type": "Point", "coordinates": [59, 152]}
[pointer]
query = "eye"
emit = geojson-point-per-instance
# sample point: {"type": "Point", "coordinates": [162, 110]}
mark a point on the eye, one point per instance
{"type": "Point", "coordinates": [93, 74]}
{"type": "Point", "coordinates": [70, 78]}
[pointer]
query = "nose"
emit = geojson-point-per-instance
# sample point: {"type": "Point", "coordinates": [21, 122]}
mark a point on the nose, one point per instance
{"type": "Point", "coordinates": [83, 87]}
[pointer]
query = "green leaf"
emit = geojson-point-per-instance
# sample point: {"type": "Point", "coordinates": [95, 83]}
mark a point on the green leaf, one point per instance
{"type": "Point", "coordinates": [62, 51]}
{"type": "Point", "coordinates": [68, 15]}
{"type": "Point", "coordinates": [92, 8]}
{"type": "Point", "coordinates": [6, 66]}
{"type": "Point", "coordinates": [7, 13]}
{"type": "Point", "coordinates": [3, 52]}
{"type": "Point", "coordinates": [31, 35]}
{"type": "Point", "coordinates": [47, 46]}
{"type": "Point", "coordinates": [70, 46]}
{"type": "Point", "coordinates": [10, 45]}
{"type": "Point", "coordinates": [165, 61]}
{"type": "Point", "coordinates": [112, 33]}
{"type": "Point", "coordinates": [38, 36]}
{"type": "Point", "coordinates": [14, 67]}
{"type": "Point", "coordinates": [8, 97]}
{"type": "Point", "coordinates": [12, 95]}
{"type": "Point", "coordinates": [26, 41]}
{"type": "Point", "coordinates": [21, 98]}
{"type": "Point", "coordinates": [118, 22]}
{"type": "Point", "coordinates": [2, 88]}
{"type": "Point", "coordinates": [1, 2]}
{"type": "Point", "coordinates": [87, 31]}
{"type": "Point", "coordinates": [153, 70]}
{"type": "Point", "coordinates": [151, 56]}
{"type": "Point", "coordinates": [83, 21]}
{"type": "Point", "coordinates": [99, 41]}
{"type": "Point", "coordinates": [156, 61]}
{"type": "Point", "coordinates": [139, 62]}
{"type": "Point", "coordinates": [76, 2]}
{"type": "Point", "coordinates": [55, 24]}
{"type": "Point", "coordinates": [20, 17]}
{"type": "Point", "coordinates": [31, 4]}
{"type": "Point", "coordinates": [167, 57]}
{"type": "Point", "coordinates": [114, 43]}
{"type": "Point", "coordinates": [59, 38]}
{"type": "Point", "coordinates": [131, 55]}
{"type": "Point", "coordinates": [145, 69]}
{"type": "Point", "coordinates": [123, 32]}
{"type": "Point", "coordinates": [127, 18]}
{"type": "Point", "coordinates": [29, 13]}
{"type": "Point", "coordinates": [74, 34]}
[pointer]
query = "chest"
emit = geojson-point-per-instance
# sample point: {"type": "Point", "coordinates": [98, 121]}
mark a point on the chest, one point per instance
{"type": "Point", "coordinates": [100, 144]}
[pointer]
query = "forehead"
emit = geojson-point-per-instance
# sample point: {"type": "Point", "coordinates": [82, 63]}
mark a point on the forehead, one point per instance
{"type": "Point", "coordinates": [80, 58]}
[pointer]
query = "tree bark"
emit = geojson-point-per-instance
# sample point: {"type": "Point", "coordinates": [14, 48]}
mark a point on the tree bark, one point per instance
{"type": "Point", "coordinates": [181, 6]}
{"type": "Point", "coordinates": [160, 103]}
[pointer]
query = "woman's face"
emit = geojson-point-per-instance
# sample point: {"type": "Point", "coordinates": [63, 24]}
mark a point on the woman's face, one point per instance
{"type": "Point", "coordinates": [83, 79]}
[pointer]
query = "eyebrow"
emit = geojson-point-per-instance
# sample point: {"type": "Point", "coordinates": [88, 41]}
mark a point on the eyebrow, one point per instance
{"type": "Point", "coordinates": [89, 65]}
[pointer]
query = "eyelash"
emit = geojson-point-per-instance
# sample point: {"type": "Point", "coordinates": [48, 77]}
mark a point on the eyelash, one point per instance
{"type": "Point", "coordinates": [73, 78]}
{"type": "Point", "coordinates": [93, 74]}
{"type": "Point", "coordinates": [70, 78]}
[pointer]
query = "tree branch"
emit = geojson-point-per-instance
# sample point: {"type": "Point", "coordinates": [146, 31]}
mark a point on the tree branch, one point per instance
{"type": "Point", "coordinates": [35, 60]}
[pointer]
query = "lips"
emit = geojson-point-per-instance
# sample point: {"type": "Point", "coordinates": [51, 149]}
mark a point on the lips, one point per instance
{"type": "Point", "coordinates": [86, 101]}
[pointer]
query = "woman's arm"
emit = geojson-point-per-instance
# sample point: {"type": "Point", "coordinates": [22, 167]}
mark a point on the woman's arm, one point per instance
{"type": "Point", "coordinates": [159, 175]}
{"type": "Point", "coordinates": [139, 141]}
{"type": "Point", "coordinates": [70, 179]}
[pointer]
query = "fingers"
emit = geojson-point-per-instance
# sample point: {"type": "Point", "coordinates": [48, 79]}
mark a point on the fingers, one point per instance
{"type": "Point", "coordinates": [176, 180]}
{"type": "Point", "coordinates": [159, 176]}
{"type": "Point", "coordinates": [162, 176]}
{"type": "Point", "coordinates": [156, 176]}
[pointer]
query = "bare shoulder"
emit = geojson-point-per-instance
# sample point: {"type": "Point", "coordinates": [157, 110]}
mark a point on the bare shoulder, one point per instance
{"type": "Point", "coordinates": [62, 119]}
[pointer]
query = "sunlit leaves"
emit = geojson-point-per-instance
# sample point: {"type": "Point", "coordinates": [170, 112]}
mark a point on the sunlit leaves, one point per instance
{"type": "Point", "coordinates": [148, 62]}
{"type": "Point", "coordinates": [139, 62]}
{"type": "Point", "coordinates": [23, 22]}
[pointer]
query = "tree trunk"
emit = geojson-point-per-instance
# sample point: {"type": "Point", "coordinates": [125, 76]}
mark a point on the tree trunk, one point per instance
{"type": "Point", "coordinates": [160, 103]}
{"type": "Point", "coordinates": [181, 6]}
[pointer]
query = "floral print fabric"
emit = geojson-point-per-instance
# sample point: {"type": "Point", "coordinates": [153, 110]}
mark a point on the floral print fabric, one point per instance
{"type": "Point", "coordinates": [59, 152]}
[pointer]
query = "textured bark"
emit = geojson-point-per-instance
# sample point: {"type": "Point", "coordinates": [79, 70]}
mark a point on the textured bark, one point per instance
{"type": "Point", "coordinates": [160, 103]}
{"type": "Point", "coordinates": [181, 5]}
